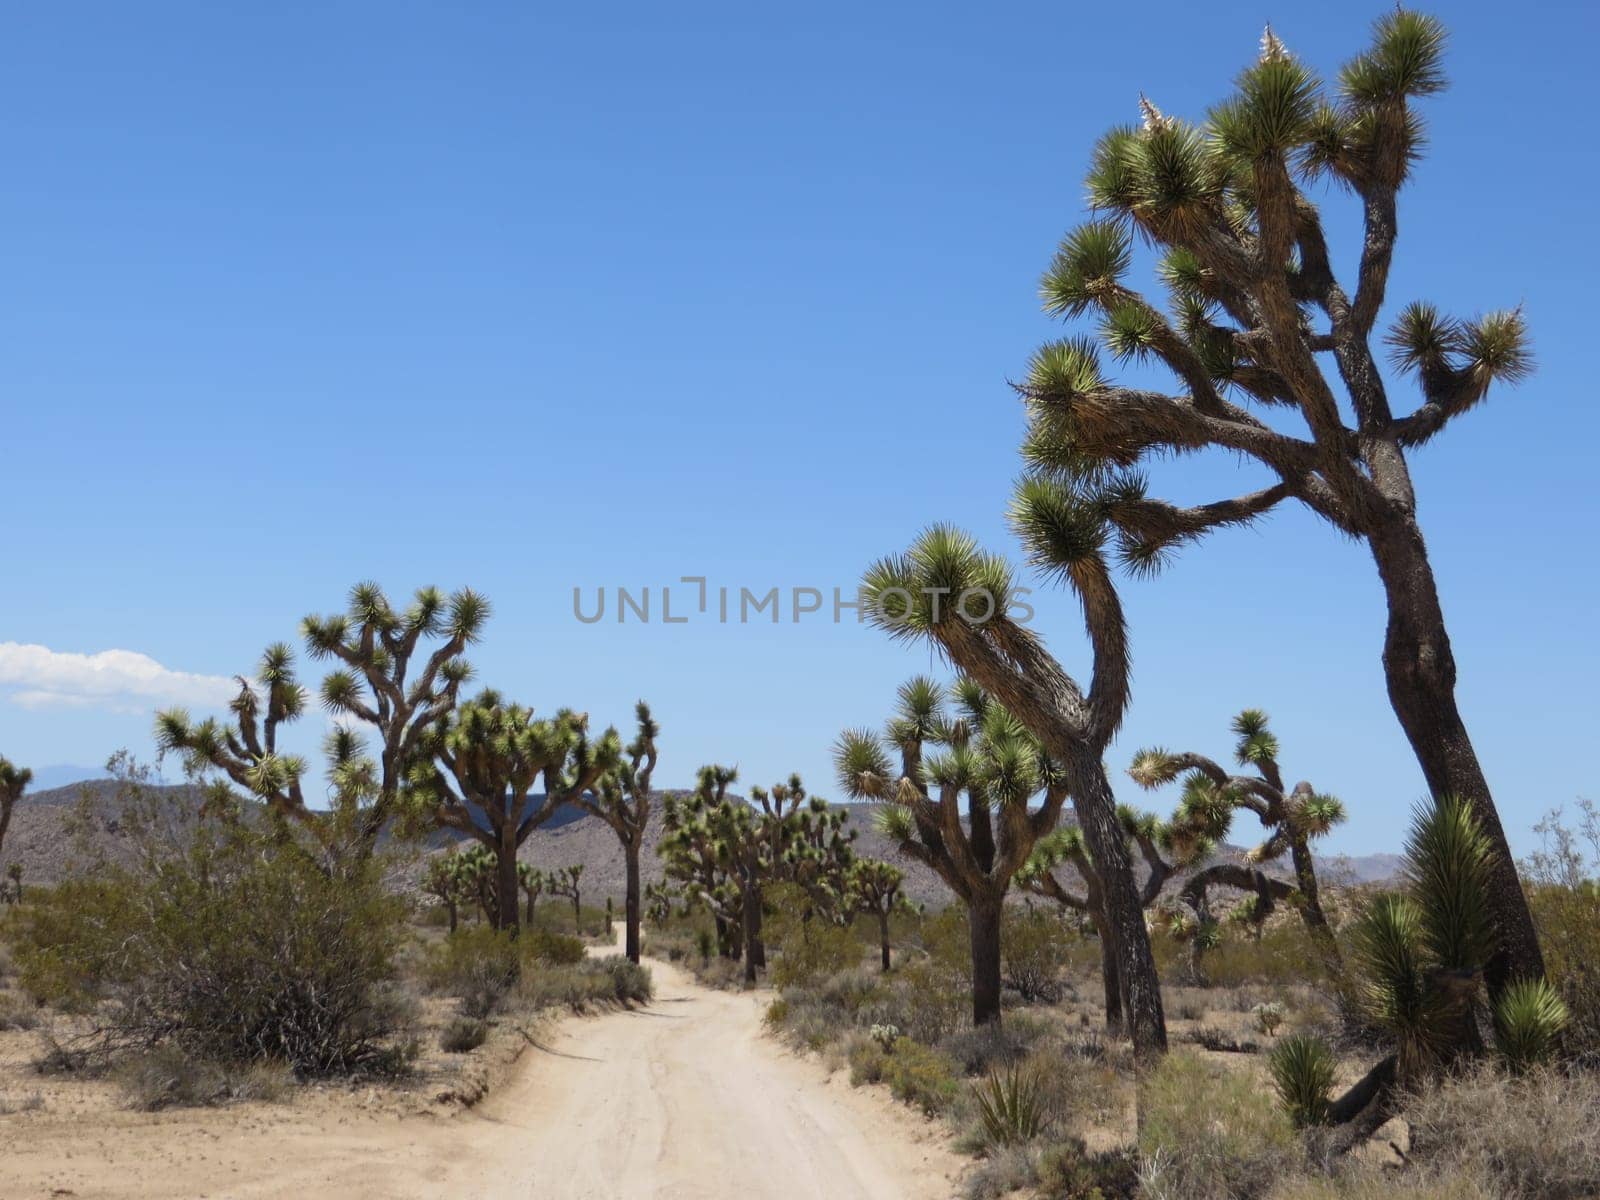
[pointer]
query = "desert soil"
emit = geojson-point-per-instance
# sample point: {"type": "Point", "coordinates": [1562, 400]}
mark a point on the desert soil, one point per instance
{"type": "Point", "coordinates": [687, 1098]}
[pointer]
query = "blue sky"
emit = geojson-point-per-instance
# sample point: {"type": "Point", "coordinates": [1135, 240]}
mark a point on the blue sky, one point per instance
{"type": "Point", "coordinates": [532, 298]}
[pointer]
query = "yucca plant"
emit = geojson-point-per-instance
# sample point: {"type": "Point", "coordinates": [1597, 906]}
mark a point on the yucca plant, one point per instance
{"type": "Point", "coordinates": [1302, 1069]}
{"type": "Point", "coordinates": [1010, 1107]}
{"type": "Point", "coordinates": [1529, 1019]}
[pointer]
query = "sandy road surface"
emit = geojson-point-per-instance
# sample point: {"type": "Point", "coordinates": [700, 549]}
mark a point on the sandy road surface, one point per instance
{"type": "Point", "coordinates": [685, 1099]}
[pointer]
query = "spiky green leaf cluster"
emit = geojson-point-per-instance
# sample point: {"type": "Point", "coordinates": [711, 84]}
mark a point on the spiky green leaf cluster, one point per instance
{"type": "Point", "coordinates": [1529, 1018]}
{"type": "Point", "coordinates": [1303, 1069]}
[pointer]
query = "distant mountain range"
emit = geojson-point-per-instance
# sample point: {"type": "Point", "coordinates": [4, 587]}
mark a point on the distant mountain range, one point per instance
{"type": "Point", "coordinates": [47, 778]}
{"type": "Point", "coordinates": [40, 839]}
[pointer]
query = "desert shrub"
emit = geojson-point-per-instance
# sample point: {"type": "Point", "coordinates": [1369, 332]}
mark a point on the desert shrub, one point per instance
{"type": "Point", "coordinates": [1207, 1133]}
{"type": "Point", "coordinates": [1080, 1090]}
{"type": "Point", "coordinates": [1220, 1041]}
{"type": "Point", "coordinates": [611, 980]}
{"type": "Point", "coordinates": [981, 1049]}
{"type": "Point", "coordinates": [1003, 1173]}
{"type": "Point", "coordinates": [631, 982]}
{"type": "Point", "coordinates": [1564, 893]}
{"type": "Point", "coordinates": [479, 966]}
{"type": "Point", "coordinates": [1360, 1182]}
{"type": "Point", "coordinates": [1283, 956]}
{"type": "Point", "coordinates": [17, 1012]}
{"type": "Point", "coordinates": [1034, 945]}
{"type": "Point", "coordinates": [239, 947]}
{"type": "Point", "coordinates": [1011, 1108]}
{"type": "Point", "coordinates": [813, 950]}
{"type": "Point", "coordinates": [463, 1034]}
{"type": "Point", "coordinates": [922, 1077]}
{"type": "Point", "coordinates": [927, 1001]}
{"type": "Point", "coordinates": [948, 941]}
{"type": "Point", "coordinates": [548, 946]}
{"type": "Point", "coordinates": [1067, 1171]}
{"type": "Point", "coordinates": [1528, 1136]}
{"type": "Point", "coordinates": [867, 1057]}
{"type": "Point", "coordinates": [168, 1077]}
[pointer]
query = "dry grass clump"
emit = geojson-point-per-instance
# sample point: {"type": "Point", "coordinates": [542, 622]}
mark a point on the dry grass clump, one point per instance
{"type": "Point", "coordinates": [1207, 1133]}
{"type": "Point", "coordinates": [1529, 1137]}
{"type": "Point", "coordinates": [1378, 1183]}
{"type": "Point", "coordinates": [463, 1034]}
{"type": "Point", "coordinates": [167, 1077]}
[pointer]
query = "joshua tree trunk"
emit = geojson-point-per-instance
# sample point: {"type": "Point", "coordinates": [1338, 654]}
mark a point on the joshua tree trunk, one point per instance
{"type": "Point", "coordinates": [1124, 911]}
{"type": "Point", "coordinates": [1110, 979]}
{"type": "Point", "coordinates": [883, 937]}
{"type": "Point", "coordinates": [751, 913]}
{"type": "Point", "coordinates": [1421, 674]}
{"type": "Point", "coordinates": [450, 907]}
{"type": "Point", "coordinates": [630, 904]}
{"type": "Point", "coordinates": [577, 916]}
{"type": "Point", "coordinates": [507, 886]}
{"type": "Point", "coordinates": [724, 937]}
{"type": "Point", "coordinates": [983, 923]}
{"type": "Point", "coordinates": [528, 916]}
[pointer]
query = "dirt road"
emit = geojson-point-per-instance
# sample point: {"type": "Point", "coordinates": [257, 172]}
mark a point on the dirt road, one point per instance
{"type": "Point", "coordinates": [685, 1100]}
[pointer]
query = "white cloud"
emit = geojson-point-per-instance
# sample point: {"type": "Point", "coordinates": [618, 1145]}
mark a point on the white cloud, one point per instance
{"type": "Point", "coordinates": [119, 680]}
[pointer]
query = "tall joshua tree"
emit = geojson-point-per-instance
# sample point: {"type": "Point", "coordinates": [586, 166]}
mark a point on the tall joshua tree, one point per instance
{"type": "Point", "coordinates": [390, 680]}
{"type": "Point", "coordinates": [945, 590]}
{"type": "Point", "coordinates": [567, 881]}
{"type": "Point", "coordinates": [1261, 325]}
{"type": "Point", "coordinates": [475, 771]}
{"type": "Point", "coordinates": [623, 802]}
{"type": "Point", "coordinates": [992, 761]}
{"type": "Point", "coordinates": [14, 780]}
{"type": "Point", "coordinates": [533, 883]}
{"type": "Point", "coordinates": [1293, 819]}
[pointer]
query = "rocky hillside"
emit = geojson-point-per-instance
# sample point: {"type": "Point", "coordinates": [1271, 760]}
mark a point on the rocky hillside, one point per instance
{"type": "Point", "coordinates": [54, 832]}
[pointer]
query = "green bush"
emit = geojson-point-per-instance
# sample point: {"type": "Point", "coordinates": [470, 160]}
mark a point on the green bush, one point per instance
{"type": "Point", "coordinates": [1067, 1171]}
{"type": "Point", "coordinates": [1207, 1133]}
{"type": "Point", "coordinates": [1034, 947]}
{"type": "Point", "coordinates": [479, 966]}
{"type": "Point", "coordinates": [612, 980]}
{"type": "Point", "coordinates": [814, 950]}
{"type": "Point", "coordinates": [463, 1034]}
{"type": "Point", "coordinates": [550, 947]}
{"type": "Point", "coordinates": [922, 1077]}
{"type": "Point", "coordinates": [239, 948]}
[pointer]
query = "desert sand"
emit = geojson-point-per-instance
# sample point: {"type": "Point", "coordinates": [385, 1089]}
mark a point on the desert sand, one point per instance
{"type": "Point", "coordinates": [687, 1098]}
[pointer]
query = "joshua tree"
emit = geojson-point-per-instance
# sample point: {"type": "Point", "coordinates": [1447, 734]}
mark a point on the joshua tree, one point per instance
{"type": "Point", "coordinates": [444, 881]}
{"type": "Point", "coordinates": [14, 873]}
{"type": "Point", "coordinates": [533, 883]}
{"type": "Point", "coordinates": [565, 881]}
{"type": "Point", "coordinates": [691, 861]}
{"type": "Point", "coordinates": [14, 780]}
{"type": "Point", "coordinates": [493, 754]}
{"type": "Point", "coordinates": [992, 760]}
{"type": "Point", "coordinates": [1255, 302]}
{"type": "Point", "coordinates": [375, 686]}
{"type": "Point", "coordinates": [1292, 818]}
{"type": "Point", "coordinates": [474, 868]}
{"type": "Point", "coordinates": [818, 855]}
{"type": "Point", "coordinates": [725, 852]}
{"type": "Point", "coordinates": [623, 802]}
{"type": "Point", "coordinates": [658, 899]}
{"type": "Point", "coordinates": [945, 590]}
{"type": "Point", "coordinates": [875, 887]}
